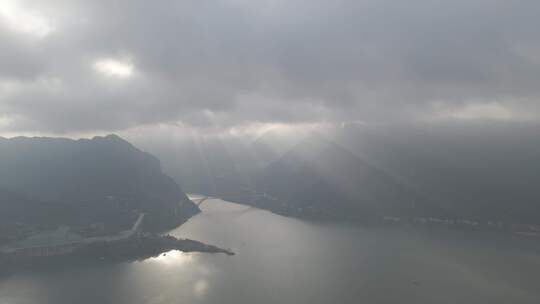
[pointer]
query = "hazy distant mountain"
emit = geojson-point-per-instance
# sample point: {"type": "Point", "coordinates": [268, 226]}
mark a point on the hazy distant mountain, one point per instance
{"type": "Point", "coordinates": [480, 172]}
{"type": "Point", "coordinates": [321, 175]}
{"type": "Point", "coordinates": [100, 176]}
{"type": "Point", "coordinates": [218, 164]}
{"type": "Point", "coordinates": [200, 165]}
{"type": "Point", "coordinates": [272, 145]}
{"type": "Point", "coordinates": [485, 171]}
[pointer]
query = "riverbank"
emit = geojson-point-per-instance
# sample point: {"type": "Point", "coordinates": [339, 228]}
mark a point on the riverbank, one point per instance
{"type": "Point", "coordinates": [420, 222]}
{"type": "Point", "coordinates": [285, 260]}
{"type": "Point", "coordinates": [139, 247]}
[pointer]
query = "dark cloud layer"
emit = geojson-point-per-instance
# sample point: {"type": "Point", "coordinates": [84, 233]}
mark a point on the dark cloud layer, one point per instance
{"type": "Point", "coordinates": [234, 62]}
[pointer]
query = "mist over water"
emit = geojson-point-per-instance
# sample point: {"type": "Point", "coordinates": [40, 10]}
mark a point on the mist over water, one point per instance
{"type": "Point", "coordinates": [285, 260]}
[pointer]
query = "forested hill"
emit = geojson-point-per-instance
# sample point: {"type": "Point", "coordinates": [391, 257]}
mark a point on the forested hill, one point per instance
{"type": "Point", "coordinates": [102, 173]}
{"type": "Point", "coordinates": [322, 176]}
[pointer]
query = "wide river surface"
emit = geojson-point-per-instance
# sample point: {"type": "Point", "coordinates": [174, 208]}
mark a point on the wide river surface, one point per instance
{"type": "Point", "coordinates": [285, 260]}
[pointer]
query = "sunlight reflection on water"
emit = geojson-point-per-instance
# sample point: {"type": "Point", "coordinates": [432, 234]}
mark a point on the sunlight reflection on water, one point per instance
{"type": "Point", "coordinates": [172, 258]}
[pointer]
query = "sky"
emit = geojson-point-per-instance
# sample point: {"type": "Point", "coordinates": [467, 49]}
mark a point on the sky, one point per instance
{"type": "Point", "coordinates": [89, 67]}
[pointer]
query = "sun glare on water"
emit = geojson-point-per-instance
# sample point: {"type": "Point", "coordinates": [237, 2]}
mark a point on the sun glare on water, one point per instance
{"type": "Point", "coordinates": [172, 258]}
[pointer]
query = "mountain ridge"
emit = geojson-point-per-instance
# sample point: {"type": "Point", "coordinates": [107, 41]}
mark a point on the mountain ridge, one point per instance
{"type": "Point", "coordinates": [105, 173]}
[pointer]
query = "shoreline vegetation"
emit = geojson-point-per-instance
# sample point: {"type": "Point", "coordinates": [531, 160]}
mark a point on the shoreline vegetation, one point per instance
{"type": "Point", "coordinates": [137, 245]}
{"type": "Point", "coordinates": [140, 247]}
{"type": "Point", "coordinates": [280, 207]}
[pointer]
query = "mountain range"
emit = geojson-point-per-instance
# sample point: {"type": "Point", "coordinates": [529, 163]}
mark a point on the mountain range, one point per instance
{"type": "Point", "coordinates": [446, 170]}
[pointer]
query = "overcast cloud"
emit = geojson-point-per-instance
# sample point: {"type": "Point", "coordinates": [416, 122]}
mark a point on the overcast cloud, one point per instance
{"type": "Point", "coordinates": [85, 66]}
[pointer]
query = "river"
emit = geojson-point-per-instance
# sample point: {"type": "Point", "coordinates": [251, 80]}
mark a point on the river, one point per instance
{"type": "Point", "coordinates": [286, 260]}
